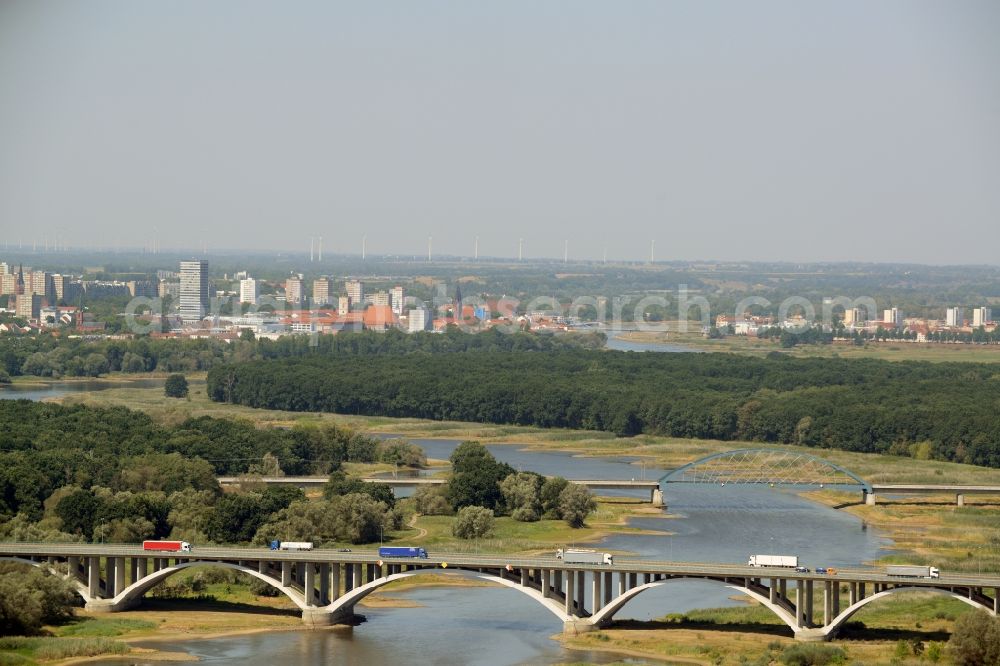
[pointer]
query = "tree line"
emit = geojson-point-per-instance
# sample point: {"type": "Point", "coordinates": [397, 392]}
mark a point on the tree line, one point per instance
{"type": "Point", "coordinates": [945, 410]}
{"type": "Point", "coordinates": [49, 355]}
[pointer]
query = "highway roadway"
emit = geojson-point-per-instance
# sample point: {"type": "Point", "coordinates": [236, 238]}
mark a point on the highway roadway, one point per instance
{"type": "Point", "coordinates": [621, 565]}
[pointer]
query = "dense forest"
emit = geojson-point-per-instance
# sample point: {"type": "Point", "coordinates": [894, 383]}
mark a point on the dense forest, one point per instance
{"type": "Point", "coordinates": [945, 411]}
{"type": "Point", "coordinates": [53, 356]}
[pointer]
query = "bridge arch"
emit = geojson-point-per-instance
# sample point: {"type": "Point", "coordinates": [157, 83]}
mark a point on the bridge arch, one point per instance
{"type": "Point", "coordinates": [839, 621]}
{"type": "Point", "coordinates": [765, 466]}
{"type": "Point", "coordinates": [348, 600]}
{"type": "Point", "coordinates": [136, 590]}
{"type": "Point", "coordinates": [80, 588]}
{"type": "Point", "coordinates": [605, 615]}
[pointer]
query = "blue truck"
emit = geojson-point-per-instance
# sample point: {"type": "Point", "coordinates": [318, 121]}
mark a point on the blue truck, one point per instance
{"type": "Point", "coordinates": [402, 551]}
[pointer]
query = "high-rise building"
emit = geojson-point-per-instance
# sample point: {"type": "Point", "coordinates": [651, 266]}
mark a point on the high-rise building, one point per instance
{"type": "Point", "coordinates": [248, 291]}
{"type": "Point", "coordinates": [419, 320]}
{"type": "Point", "coordinates": [343, 305]}
{"type": "Point", "coordinates": [892, 316]}
{"type": "Point", "coordinates": [7, 282]}
{"type": "Point", "coordinates": [355, 292]}
{"type": "Point", "coordinates": [321, 292]}
{"type": "Point", "coordinates": [194, 290]}
{"type": "Point", "coordinates": [28, 306]}
{"type": "Point", "coordinates": [142, 288]}
{"type": "Point", "coordinates": [4, 268]}
{"type": "Point", "coordinates": [380, 298]}
{"type": "Point", "coordinates": [293, 291]}
{"type": "Point", "coordinates": [981, 316]}
{"type": "Point", "coordinates": [954, 317]}
{"type": "Point", "coordinates": [59, 285]}
{"type": "Point", "coordinates": [397, 300]}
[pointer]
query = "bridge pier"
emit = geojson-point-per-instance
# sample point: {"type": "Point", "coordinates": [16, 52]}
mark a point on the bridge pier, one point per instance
{"type": "Point", "coordinates": [869, 498]}
{"type": "Point", "coordinates": [960, 499]}
{"type": "Point", "coordinates": [656, 498]}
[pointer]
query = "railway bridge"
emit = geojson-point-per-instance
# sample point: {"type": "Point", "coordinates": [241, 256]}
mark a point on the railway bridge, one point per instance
{"type": "Point", "coordinates": [326, 585]}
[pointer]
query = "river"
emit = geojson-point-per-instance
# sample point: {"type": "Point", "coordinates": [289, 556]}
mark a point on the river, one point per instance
{"type": "Point", "coordinates": [495, 626]}
{"type": "Point", "coordinates": [55, 389]}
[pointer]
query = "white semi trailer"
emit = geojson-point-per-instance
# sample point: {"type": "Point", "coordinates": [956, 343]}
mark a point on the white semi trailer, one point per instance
{"type": "Point", "coordinates": [578, 556]}
{"type": "Point", "coordinates": [783, 561]}
{"type": "Point", "coordinates": [912, 571]}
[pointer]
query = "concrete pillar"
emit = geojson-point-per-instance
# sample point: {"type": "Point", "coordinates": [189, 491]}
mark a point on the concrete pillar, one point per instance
{"type": "Point", "coordinates": [557, 580]}
{"type": "Point", "coordinates": [861, 592]}
{"type": "Point", "coordinates": [358, 582]}
{"type": "Point", "coordinates": [109, 577]}
{"type": "Point", "coordinates": [852, 592]}
{"type": "Point", "coordinates": [996, 600]}
{"type": "Point", "coordinates": [960, 499]}
{"type": "Point", "coordinates": [596, 592]}
{"type": "Point", "coordinates": [546, 575]}
{"type": "Point", "coordinates": [324, 584]}
{"type": "Point", "coordinates": [334, 581]}
{"type": "Point", "coordinates": [524, 577]}
{"type": "Point", "coordinates": [608, 577]}
{"type": "Point", "coordinates": [633, 581]}
{"type": "Point", "coordinates": [870, 498]}
{"type": "Point", "coordinates": [772, 591]}
{"type": "Point", "coordinates": [646, 579]}
{"type": "Point", "coordinates": [73, 565]}
{"type": "Point", "coordinates": [800, 603]}
{"type": "Point", "coordinates": [827, 602]}
{"type": "Point", "coordinates": [581, 591]}
{"type": "Point", "coordinates": [656, 498]}
{"type": "Point", "coordinates": [94, 577]}
{"type": "Point", "coordinates": [286, 573]}
{"type": "Point", "coordinates": [809, 602]}
{"type": "Point", "coordinates": [570, 580]}
{"type": "Point", "coordinates": [262, 566]}
{"type": "Point", "coordinates": [369, 573]}
{"type": "Point", "coordinates": [119, 575]}
{"type": "Point", "coordinates": [309, 583]}
{"type": "Point", "coordinates": [836, 599]}
{"type": "Point", "coordinates": [783, 588]}
{"type": "Point", "coordinates": [622, 584]}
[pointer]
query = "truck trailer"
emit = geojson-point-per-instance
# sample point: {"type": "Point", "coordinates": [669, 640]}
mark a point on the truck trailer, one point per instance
{"type": "Point", "coordinates": [168, 546]}
{"type": "Point", "coordinates": [291, 545]}
{"type": "Point", "coordinates": [402, 551]}
{"type": "Point", "coordinates": [912, 571]}
{"type": "Point", "coordinates": [783, 561]}
{"type": "Point", "coordinates": [581, 556]}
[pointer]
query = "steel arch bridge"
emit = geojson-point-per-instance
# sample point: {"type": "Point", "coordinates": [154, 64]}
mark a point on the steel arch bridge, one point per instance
{"type": "Point", "coordinates": [766, 466]}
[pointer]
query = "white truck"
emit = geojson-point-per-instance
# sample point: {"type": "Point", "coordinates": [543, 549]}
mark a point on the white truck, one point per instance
{"type": "Point", "coordinates": [580, 556]}
{"type": "Point", "coordinates": [783, 561]}
{"type": "Point", "coordinates": [291, 545]}
{"type": "Point", "coordinates": [912, 571]}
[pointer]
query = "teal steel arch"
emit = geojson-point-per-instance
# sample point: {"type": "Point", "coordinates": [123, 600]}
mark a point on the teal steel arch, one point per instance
{"type": "Point", "coordinates": [767, 466]}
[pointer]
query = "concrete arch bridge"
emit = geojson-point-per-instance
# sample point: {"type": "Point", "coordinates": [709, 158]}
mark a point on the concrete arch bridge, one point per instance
{"type": "Point", "coordinates": [326, 585]}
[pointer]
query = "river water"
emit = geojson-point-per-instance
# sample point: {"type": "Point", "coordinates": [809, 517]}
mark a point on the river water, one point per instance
{"type": "Point", "coordinates": [494, 626]}
{"type": "Point", "coordinates": [57, 389]}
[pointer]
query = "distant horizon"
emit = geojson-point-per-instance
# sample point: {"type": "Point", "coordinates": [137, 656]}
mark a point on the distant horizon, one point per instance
{"type": "Point", "coordinates": [765, 131]}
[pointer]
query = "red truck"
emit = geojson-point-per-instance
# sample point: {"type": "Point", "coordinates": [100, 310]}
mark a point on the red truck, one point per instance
{"type": "Point", "coordinates": [169, 546]}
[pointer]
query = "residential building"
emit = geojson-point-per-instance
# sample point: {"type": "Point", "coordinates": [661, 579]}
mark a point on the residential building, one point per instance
{"type": "Point", "coordinates": [954, 317]}
{"type": "Point", "coordinates": [893, 316]}
{"type": "Point", "coordinates": [321, 292]}
{"type": "Point", "coordinates": [981, 317]}
{"type": "Point", "coordinates": [854, 317]}
{"type": "Point", "coordinates": [343, 305]}
{"type": "Point", "coordinates": [397, 300]}
{"type": "Point", "coordinates": [142, 288]}
{"type": "Point", "coordinates": [419, 320]}
{"type": "Point", "coordinates": [381, 298]}
{"type": "Point", "coordinates": [166, 288]}
{"type": "Point", "coordinates": [249, 291]}
{"type": "Point", "coordinates": [355, 292]}
{"type": "Point", "coordinates": [59, 285]}
{"type": "Point", "coordinates": [7, 283]}
{"type": "Point", "coordinates": [28, 306]}
{"type": "Point", "coordinates": [193, 290]}
{"type": "Point", "coordinates": [293, 290]}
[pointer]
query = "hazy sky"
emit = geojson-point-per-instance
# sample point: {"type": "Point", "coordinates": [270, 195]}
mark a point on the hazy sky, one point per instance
{"type": "Point", "coordinates": [763, 130]}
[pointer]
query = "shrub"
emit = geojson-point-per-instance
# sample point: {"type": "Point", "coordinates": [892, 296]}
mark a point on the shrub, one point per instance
{"type": "Point", "coordinates": [473, 522]}
{"type": "Point", "coordinates": [812, 654]}
{"type": "Point", "coordinates": [176, 386]}
{"type": "Point", "coordinates": [975, 640]}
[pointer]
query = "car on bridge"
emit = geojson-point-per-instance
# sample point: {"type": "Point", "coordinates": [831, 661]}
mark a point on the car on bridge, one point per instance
{"type": "Point", "coordinates": [801, 569]}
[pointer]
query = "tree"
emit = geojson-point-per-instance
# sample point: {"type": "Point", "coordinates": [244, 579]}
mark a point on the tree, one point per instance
{"type": "Point", "coordinates": [575, 504]}
{"type": "Point", "coordinates": [476, 477]}
{"type": "Point", "coordinates": [473, 522]}
{"type": "Point", "coordinates": [521, 492]}
{"type": "Point", "coordinates": [340, 484]}
{"type": "Point", "coordinates": [975, 640]}
{"type": "Point", "coordinates": [28, 599]}
{"type": "Point", "coordinates": [77, 512]}
{"type": "Point", "coordinates": [176, 386]}
{"type": "Point", "coordinates": [236, 518]}
{"type": "Point", "coordinates": [430, 501]}
{"type": "Point", "coordinates": [549, 496]}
